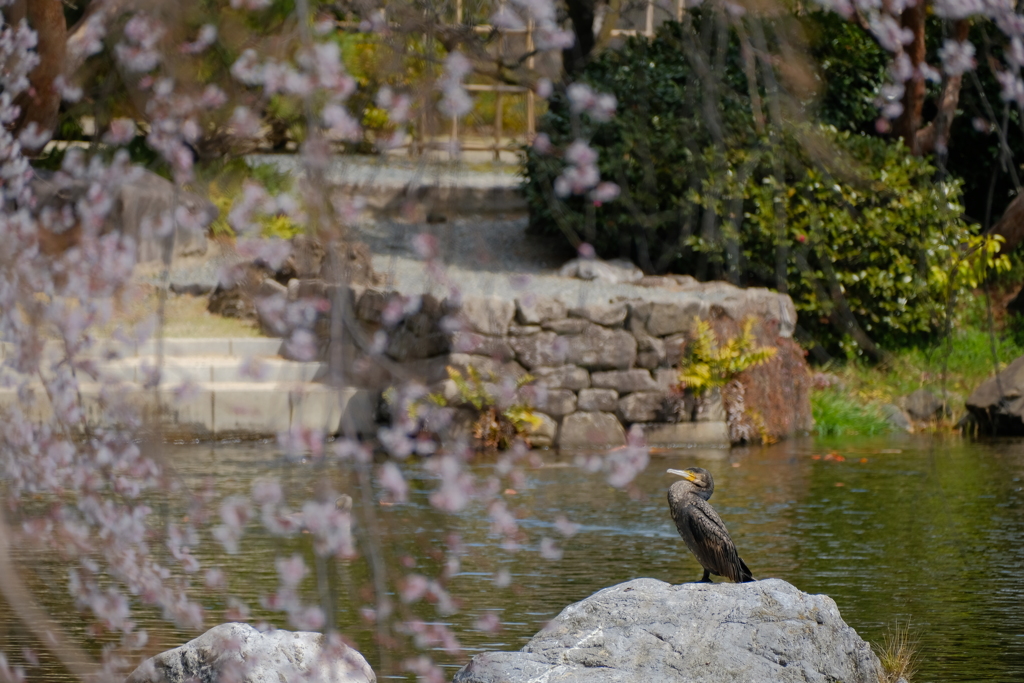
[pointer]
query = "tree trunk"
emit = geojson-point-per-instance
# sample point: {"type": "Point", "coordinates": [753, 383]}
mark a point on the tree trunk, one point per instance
{"type": "Point", "coordinates": [909, 122]}
{"type": "Point", "coordinates": [581, 13]}
{"type": "Point", "coordinates": [40, 104]}
{"type": "Point", "coordinates": [935, 136]}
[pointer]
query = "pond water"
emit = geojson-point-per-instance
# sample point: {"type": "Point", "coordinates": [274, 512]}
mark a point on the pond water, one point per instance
{"type": "Point", "coordinates": [919, 530]}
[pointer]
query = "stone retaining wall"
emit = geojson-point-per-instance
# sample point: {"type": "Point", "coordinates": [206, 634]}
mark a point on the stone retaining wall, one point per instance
{"type": "Point", "coordinates": [599, 367]}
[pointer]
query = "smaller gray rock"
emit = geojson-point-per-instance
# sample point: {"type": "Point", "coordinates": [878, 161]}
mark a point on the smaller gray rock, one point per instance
{"type": "Point", "coordinates": [674, 347]}
{"type": "Point", "coordinates": [639, 312]}
{"type": "Point", "coordinates": [554, 402]}
{"type": "Point", "coordinates": [666, 378]}
{"type": "Point", "coordinates": [641, 406]}
{"type": "Point", "coordinates": [650, 351]}
{"type": "Point", "coordinates": [487, 315]}
{"type": "Point", "coordinates": [562, 377]}
{"type": "Point", "coordinates": [895, 416]}
{"type": "Point", "coordinates": [542, 435]}
{"type": "Point", "coordinates": [602, 349]}
{"type": "Point", "coordinates": [591, 430]}
{"type": "Point", "coordinates": [598, 400]}
{"type": "Point", "coordinates": [482, 345]}
{"type": "Point", "coordinates": [567, 326]}
{"type": "Point", "coordinates": [534, 310]}
{"type": "Point", "coordinates": [238, 652]}
{"type": "Point", "coordinates": [540, 350]}
{"type": "Point", "coordinates": [710, 407]}
{"type": "Point", "coordinates": [405, 345]}
{"type": "Point", "coordinates": [674, 318]}
{"type": "Point", "coordinates": [923, 405]}
{"type": "Point", "coordinates": [609, 314]}
{"type": "Point", "coordinates": [624, 381]}
{"type": "Point", "coordinates": [616, 271]}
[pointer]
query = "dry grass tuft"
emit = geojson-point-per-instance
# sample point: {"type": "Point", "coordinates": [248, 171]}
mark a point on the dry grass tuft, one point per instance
{"type": "Point", "coordinates": [898, 654]}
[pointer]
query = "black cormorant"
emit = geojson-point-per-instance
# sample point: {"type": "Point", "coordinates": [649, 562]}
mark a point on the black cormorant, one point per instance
{"type": "Point", "coordinates": [702, 528]}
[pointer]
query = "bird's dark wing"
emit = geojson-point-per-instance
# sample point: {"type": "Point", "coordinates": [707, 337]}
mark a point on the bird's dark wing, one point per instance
{"type": "Point", "coordinates": [713, 547]}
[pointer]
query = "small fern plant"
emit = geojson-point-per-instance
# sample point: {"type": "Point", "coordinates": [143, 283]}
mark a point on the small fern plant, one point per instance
{"type": "Point", "coordinates": [708, 365]}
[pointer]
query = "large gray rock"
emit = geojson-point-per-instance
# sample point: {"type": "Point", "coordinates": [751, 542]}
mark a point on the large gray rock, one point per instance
{"type": "Point", "coordinates": [591, 430]}
{"type": "Point", "coordinates": [647, 630]}
{"type": "Point", "coordinates": [238, 652]}
{"type": "Point", "coordinates": [599, 348]}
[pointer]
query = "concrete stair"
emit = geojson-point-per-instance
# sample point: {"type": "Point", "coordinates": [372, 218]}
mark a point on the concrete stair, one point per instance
{"type": "Point", "coordinates": [204, 392]}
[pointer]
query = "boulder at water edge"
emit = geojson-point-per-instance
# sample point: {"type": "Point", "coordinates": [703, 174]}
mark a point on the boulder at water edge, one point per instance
{"type": "Point", "coordinates": [997, 406]}
{"type": "Point", "coordinates": [240, 653]}
{"type": "Point", "coordinates": [647, 630]}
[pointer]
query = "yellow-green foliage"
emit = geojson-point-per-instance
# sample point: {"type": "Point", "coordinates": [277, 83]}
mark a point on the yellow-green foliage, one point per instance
{"type": "Point", "coordinates": [226, 187]}
{"type": "Point", "coordinates": [492, 428]}
{"type": "Point", "coordinates": [709, 365]}
{"type": "Point", "coordinates": [979, 258]}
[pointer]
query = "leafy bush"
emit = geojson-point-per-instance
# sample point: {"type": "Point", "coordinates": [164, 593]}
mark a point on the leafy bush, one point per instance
{"type": "Point", "coordinates": [853, 68]}
{"type": "Point", "coordinates": [849, 225]}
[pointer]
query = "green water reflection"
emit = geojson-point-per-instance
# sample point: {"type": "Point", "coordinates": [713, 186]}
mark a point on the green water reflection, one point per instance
{"type": "Point", "coordinates": [913, 529]}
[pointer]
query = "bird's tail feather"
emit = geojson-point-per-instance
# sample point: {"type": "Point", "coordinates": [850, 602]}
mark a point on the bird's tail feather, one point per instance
{"type": "Point", "coordinates": [745, 574]}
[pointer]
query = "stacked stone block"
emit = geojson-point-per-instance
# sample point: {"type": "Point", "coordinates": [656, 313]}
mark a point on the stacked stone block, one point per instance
{"type": "Point", "coordinates": [599, 367]}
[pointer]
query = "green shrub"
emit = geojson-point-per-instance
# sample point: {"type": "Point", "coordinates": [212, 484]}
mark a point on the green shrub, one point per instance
{"type": "Point", "coordinates": [849, 225]}
{"type": "Point", "coordinates": [852, 68]}
{"type": "Point", "coordinates": [226, 186]}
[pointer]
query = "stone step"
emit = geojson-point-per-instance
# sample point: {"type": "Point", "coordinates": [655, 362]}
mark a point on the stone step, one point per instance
{"type": "Point", "coordinates": [242, 347]}
{"type": "Point", "coordinates": [227, 409]}
{"type": "Point", "coordinates": [177, 369]}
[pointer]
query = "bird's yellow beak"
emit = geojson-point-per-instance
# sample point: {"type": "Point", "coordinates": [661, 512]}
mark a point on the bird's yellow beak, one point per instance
{"type": "Point", "coordinates": [685, 474]}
